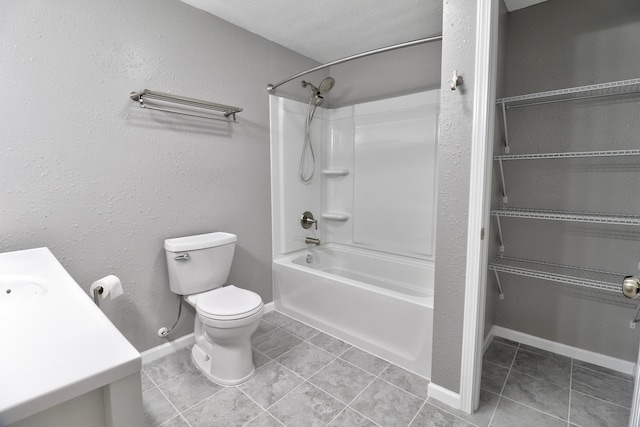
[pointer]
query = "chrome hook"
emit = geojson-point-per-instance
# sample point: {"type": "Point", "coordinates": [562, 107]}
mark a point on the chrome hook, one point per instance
{"type": "Point", "coordinates": [456, 80]}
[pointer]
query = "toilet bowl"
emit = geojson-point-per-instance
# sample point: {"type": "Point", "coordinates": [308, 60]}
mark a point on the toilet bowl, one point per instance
{"type": "Point", "coordinates": [226, 316]}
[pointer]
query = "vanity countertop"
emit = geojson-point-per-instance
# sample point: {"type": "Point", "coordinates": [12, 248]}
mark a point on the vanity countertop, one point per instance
{"type": "Point", "coordinates": [56, 345]}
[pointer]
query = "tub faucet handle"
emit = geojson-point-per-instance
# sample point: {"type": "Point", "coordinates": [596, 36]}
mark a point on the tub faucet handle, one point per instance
{"type": "Point", "coordinates": [306, 220]}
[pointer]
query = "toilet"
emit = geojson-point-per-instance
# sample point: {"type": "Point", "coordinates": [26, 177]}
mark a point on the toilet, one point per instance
{"type": "Point", "coordinates": [226, 316]}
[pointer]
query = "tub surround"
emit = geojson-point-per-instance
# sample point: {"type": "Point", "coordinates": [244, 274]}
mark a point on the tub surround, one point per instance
{"type": "Point", "coordinates": [374, 197]}
{"type": "Point", "coordinates": [60, 346]}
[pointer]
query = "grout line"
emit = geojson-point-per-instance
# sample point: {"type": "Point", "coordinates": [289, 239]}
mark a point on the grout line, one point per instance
{"type": "Point", "coordinates": [333, 354]}
{"type": "Point", "coordinates": [603, 400]}
{"type": "Point", "coordinates": [503, 385]}
{"type": "Point", "coordinates": [206, 398]}
{"type": "Point", "coordinates": [252, 399]}
{"type": "Point", "coordinates": [362, 369]}
{"type": "Point", "coordinates": [604, 373]}
{"type": "Point", "coordinates": [494, 411]}
{"type": "Point", "coordinates": [570, 393]}
{"type": "Point", "coordinates": [417, 413]}
{"type": "Point", "coordinates": [513, 361]}
{"type": "Point", "coordinates": [170, 403]}
{"type": "Point", "coordinates": [451, 413]}
{"type": "Point", "coordinates": [337, 415]}
{"type": "Point", "coordinates": [363, 416]}
{"type": "Point", "coordinates": [537, 410]}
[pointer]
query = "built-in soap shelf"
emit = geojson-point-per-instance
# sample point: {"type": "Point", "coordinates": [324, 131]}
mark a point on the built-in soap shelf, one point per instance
{"type": "Point", "coordinates": [335, 216]}
{"type": "Point", "coordinates": [335, 172]}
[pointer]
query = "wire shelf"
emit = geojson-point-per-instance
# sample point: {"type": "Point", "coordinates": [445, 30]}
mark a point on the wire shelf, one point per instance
{"type": "Point", "coordinates": [595, 218]}
{"type": "Point", "coordinates": [621, 87]}
{"type": "Point", "coordinates": [568, 275]}
{"type": "Point", "coordinates": [566, 155]}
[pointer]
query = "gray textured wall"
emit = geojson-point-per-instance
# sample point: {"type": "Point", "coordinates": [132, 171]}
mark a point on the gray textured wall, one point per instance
{"type": "Point", "coordinates": [550, 46]}
{"type": "Point", "coordinates": [101, 182]}
{"type": "Point", "coordinates": [454, 151]}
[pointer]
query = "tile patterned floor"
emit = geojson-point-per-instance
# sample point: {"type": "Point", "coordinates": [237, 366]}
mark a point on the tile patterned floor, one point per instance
{"type": "Point", "coordinates": [307, 378]}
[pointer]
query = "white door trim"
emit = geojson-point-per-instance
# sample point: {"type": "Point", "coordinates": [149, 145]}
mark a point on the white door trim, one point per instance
{"type": "Point", "coordinates": [479, 189]}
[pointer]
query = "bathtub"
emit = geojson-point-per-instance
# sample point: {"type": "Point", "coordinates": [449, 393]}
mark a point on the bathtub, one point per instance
{"type": "Point", "coordinates": [378, 302]}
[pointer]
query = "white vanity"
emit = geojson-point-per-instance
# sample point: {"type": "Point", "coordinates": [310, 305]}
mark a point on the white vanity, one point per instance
{"type": "Point", "coordinates": [62, 362]}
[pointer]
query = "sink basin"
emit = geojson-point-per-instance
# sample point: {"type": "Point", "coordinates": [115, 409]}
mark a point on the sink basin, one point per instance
{"type": "Point", "coordinates": [18, 291]}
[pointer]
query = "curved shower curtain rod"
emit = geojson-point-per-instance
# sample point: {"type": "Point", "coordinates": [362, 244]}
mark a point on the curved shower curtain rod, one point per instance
{"type": "Point", "coordinates": [271, 88]}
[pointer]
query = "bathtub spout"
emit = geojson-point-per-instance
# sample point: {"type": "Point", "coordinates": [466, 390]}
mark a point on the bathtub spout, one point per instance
{"type": "Point", "coordinates": [312, 240]}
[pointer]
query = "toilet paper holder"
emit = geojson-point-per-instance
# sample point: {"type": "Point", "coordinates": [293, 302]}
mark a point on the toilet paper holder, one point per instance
{"type": "Point", "coordinates": [96, 295]}
{"type": "Point", "coordinates": [107, 287]}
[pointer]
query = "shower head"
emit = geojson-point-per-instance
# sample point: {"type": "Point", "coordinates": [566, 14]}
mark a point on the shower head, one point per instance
{"type": "Point", "coordinates": [326, 85]}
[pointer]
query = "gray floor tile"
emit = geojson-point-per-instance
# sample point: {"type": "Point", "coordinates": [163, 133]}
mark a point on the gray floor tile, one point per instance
{"type": "Point", "coordinates": [482, 416]}
{"type": "Point", "coordinates": [270, 384]}
{"type": "Point", "coordinates": [432, 416]}
{"type": "Point", "coordinates": [276, 342]}
{"type": "Point", "coordinates": [188, 389]}
{"type": "Point", "coordinates": [604, 386]}
{"type": "Point", "coordinates": [506, 341]}
{"type": "Point", "coordinates": [538, 394]}
{"type": "Point", "coordinates": [342, 380]}
{"type": "Point", "coordinates": [229, 407]}
{"type": "Point", "coordinates": [306, 406]}
{"type": "Point", "coordinates": [364, 360]}
{"type": "Point", "coordinates": [588, 411]}
{"type": "Point", "coordinates": [170, 366]}
{"type": "Point", "coordinates": [555, 370]}
{"type": "Point", "coordinates": [500, 354]}
{"type": "Point", "coordinates": [414, 384]}
{"type": "Point", "coordinates": [330, 344]}
{"type": "Point", "coordinates": [156, 408]}
{"type": "Point", "coordinates": [263, 328]}
{"type": "Point", "coordinates": [306, 359]}
{"type": "Point", "coordinates": [602, 369]}
{"type": "Point", "coordinates": [545, 353]}
{"type": "Point", "coordinates": [350, 418]}
{"type": "Point", "coordinates": [276, 318]}
{"type": "Point", "coordinates": [264, 420]}
{"type": "Point", "coordinates": [387, 405]}
{"type": "Point", "coordinates": [175, 422]}
{"type": "Point", "coordinates": [493, 377]}
{"type": "Point", "coordinates": [259, 358]}
{"type": "Point", "coordinates": [146, 382]}
{"type": "Point", "coordinates": [511, 414]}
{"type": "Point", "coordinates": [299, 329]}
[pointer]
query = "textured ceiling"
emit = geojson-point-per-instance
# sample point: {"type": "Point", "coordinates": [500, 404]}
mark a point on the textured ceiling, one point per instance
{"type": "Point", "coordinates": [326, 30]}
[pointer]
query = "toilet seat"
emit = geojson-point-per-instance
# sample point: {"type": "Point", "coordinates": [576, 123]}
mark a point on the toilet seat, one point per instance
{"type": "Point", "coordinates": [228, 303]}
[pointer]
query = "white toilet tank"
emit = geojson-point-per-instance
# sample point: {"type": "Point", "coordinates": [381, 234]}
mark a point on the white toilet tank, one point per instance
{"type": "Point", "coordinates": [199, 263]}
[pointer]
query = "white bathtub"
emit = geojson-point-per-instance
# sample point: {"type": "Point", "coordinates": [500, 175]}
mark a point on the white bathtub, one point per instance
{"type": "Point", "coordinates": [378, 302]}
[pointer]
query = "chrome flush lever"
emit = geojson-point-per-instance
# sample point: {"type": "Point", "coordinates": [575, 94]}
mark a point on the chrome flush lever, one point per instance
{"type": "Point", "coordinates": [183, 257]}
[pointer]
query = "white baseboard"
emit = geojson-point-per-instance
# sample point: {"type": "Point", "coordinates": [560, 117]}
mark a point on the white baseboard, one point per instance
{"type": "Point", "coordinates": [619, 365]}
{"type": "Point", "coordinates": [487, 339]}
{"type": "Point", "coordinates": [167, 348]}
{"type": "Point", "coordinates": [178, 344]}
{"type": "Point", "coordinates": [268, 307]}
{"type": "Point", "coordinates": [444, 395]}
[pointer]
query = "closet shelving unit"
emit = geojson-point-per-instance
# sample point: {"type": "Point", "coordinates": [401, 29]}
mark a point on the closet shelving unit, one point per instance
{"type": "Point", "coordinates": [568, 275]}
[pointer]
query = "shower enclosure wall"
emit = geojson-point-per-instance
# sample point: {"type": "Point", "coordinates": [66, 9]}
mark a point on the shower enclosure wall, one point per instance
{"type": "Point", "coordinates": [370, 282]}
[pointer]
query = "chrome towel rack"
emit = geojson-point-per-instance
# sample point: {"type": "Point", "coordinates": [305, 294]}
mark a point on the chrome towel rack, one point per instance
{"type": "Point", "coordinates": [188, 106]}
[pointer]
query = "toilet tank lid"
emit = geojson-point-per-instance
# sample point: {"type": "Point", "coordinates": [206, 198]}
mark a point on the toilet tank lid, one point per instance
{"type": "Point", "coordinates": [200, 241]}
